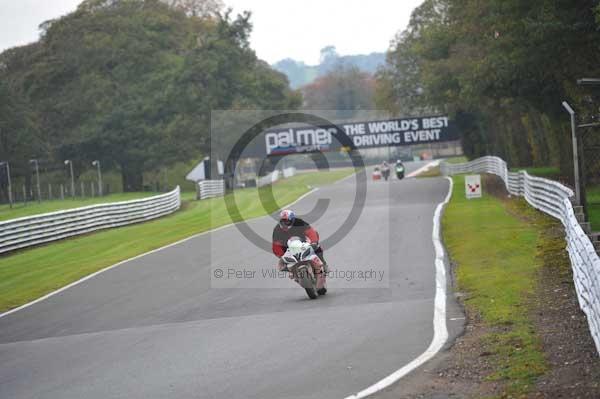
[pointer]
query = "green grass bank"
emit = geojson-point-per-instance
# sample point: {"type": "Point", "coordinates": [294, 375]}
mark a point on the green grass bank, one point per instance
{"type": "Point", "coordinates": [493, 245]}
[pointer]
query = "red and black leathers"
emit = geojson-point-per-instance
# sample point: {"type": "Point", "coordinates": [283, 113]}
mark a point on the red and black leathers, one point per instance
{"type": "Point", "coordinates": [299, 228]}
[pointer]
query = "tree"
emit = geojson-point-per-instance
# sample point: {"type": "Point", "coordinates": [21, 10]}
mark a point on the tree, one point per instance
{"type": "Point", "coordinates": [500, 67]}
{"type": "Point", "coordinates": [328, 55]}
{"type": "Point", "coordinates": [132, 83]}
{"type": "Point", "coordinates": [198, 8]}
{"type": "Point", "coordinates": [343, 88]}
{"type": "Point", "coordinates": [19, 131]}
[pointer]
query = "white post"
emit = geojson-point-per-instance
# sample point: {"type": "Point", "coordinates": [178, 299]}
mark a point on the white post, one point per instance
{"type": "Point", "coordinates": [70, 163]}
{"type": "Point", "coordinates": [10, 196]}
{"type": "Point", "coordinates": [37, 174]}
{"type": "Point", "coordinates": [97, 165]}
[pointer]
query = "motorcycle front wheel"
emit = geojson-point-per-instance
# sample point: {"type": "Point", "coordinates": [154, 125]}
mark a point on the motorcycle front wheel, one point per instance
{"type": "Point", "coordinates": [307, 280]}
{"type": "Point", "coordinates": [312, 293]}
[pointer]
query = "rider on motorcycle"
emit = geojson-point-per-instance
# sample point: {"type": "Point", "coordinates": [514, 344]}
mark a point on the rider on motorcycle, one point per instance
{"type": "Point", "coordinates": [291, 226]}
{"type": "Point", "coordinates": [385, 170]}
{"type": "Point", "coordinates": [400, 169]}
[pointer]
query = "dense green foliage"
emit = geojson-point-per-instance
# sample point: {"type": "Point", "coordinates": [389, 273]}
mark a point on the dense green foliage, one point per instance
{"type": "Point", "coordinates": [501, 69]}
{"type": "Point", "coordinates": [301, 74]}
{"type": "Point", "coordinates": [131, 83]}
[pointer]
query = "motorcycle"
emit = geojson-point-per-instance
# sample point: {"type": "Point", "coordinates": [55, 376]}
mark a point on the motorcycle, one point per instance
{"type": "Point", "coordinates": [298, 260]}
{"type": "Point", "coordinates": [400, 171]}
{"type": "Point", "coordinates": [376, 174]}
{"type": "Point", "coordinates": [385, 172]}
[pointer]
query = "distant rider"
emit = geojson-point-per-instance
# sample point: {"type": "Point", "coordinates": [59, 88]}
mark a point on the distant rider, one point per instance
{"type": "Point", "coordinates": [385, 170]}
{"type": "Point", "coordinates": [290, 226]}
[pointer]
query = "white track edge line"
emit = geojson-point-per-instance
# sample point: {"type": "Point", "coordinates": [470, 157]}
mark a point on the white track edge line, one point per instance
{"type": "Point", "coordinates": [440, 330]}
{"type": "Point", "coordinates": [90, 276]}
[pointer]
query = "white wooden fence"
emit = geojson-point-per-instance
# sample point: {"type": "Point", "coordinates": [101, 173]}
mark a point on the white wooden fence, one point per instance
{"type": "Point", "coordinates": [33, 230]}
{"type": "Point", "coordinates": [554, 199]}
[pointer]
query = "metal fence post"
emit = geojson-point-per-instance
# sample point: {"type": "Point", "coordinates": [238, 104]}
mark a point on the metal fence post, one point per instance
{"type": "Point", "coordinates": [582, 177]}
{"type": "Point", "coordinates": [575, 151]}
{"type": "Point", "coordinates": [37, 174]}
{"type": "Point", "coordinates": [97, 165]}
{"type": "Point", "coordinates": [70, 163]}
{"type": "Point", "coordinates": [10, 196]}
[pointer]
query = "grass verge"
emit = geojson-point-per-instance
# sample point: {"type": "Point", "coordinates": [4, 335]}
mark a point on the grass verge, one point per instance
{"type": "Point", "coordinates": [30, 274]}
{"type": "Point", "coordinates": [593, 199]}
{"type": "Point", "coordinates": [34, 208]}
{"type": "Point", "coordinates": [494, 251]}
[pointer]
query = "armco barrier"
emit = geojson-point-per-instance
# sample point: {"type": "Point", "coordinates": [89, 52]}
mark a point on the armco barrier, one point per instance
{"type": "Point", "coordinates": [211, 189]}
{"type": "Point", "coordinates": [275, 176]}
{"type": "Point", "coordinates": [39, 229]}
{"type": "Point", "coordinates": [268, 179]}
{"type": "Point", "coordinates": [554, 199]}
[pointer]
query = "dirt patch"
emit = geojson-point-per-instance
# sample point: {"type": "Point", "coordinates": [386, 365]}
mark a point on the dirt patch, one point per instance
{"type": "Point", "coordinates": [495, 186]}
{"type": "Point", "coordinates": [574, 366]}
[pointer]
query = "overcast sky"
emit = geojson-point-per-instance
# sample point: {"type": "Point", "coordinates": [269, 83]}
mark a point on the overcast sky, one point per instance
{"type": "Point", "coordinates": [282, 28]}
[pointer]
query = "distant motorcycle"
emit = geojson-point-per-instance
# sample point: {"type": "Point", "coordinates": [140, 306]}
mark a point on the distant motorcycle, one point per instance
{"type": "Point", "coordinates": [298, 259]}
{"type": "Point", "coordinates": [385, 172]}
{"type": "Point", "coordinates": [376, 174]}
{"type": "Point", "coordinates": [400, 171]}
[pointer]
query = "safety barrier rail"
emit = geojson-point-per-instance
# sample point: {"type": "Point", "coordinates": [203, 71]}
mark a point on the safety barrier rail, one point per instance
{"type": "Point", "coordinates": [39, 229]}
{"type": "Point", "coordinates": [268, 179]}
{"type": "Point", "coordinates": [554, 199]}
{"type": "Point", "coordinates": [275, 176]}
{"type": "Point", "coordinates": [211, 189]}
